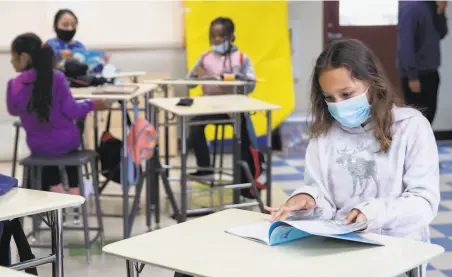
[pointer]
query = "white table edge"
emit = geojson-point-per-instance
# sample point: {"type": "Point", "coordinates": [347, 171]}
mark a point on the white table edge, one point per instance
{"type": "Point", "coordinates": [79, 202]}
{"type": "Point", "coordinates": [187, 82]}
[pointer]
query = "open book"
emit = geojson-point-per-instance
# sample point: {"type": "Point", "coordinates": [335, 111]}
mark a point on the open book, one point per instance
{"type": "Point", "coordinates": [284, 231]}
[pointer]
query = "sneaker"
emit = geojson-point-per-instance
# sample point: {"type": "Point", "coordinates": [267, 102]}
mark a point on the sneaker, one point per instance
{"type": "Point", "coordinates": [204, 175]}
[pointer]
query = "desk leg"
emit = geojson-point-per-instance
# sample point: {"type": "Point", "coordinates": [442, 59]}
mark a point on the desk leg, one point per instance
{"type": "Point", "coordinates": [57, 243]}
{"type": "Point", "coordinates": [183, 170]}
{"type": "Point", "coordinates": [167, 147]}
{"type": "Point", "coordinates": [269, 158]}
{"type": "Point", "coordinates": [131, 269]}
{"type": "Point", "coordinates": [417, 272]}
{"type": "Point", "coordinates": [237, 148]}
{"type": "Point", "coordinates": [148, 167]}
{"type": "Point", "coordinates": [124, 180]}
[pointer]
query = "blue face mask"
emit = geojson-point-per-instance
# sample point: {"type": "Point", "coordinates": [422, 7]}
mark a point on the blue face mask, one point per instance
{"type": "Point", "coordinates": [222, 48]}
{"type": "Point", "coordinates": [351, 113]}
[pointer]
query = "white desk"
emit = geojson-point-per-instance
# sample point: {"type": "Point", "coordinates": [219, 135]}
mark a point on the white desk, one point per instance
{"type": "Point", "coordinates": [200, 247]}
{"type": "Point", "coordinates": [144, 90]}
{"type": "Point", "coordinates": [87, 93]}
{"type": "Point", "coordinates": [19, 202]}
{"type": "Point", "coordinates": [189, 82]}
{"type": "Point", "coordinates": [133, 74]}
{"type": "Point", "coordinates": [6, 272]}
{"type": "Point", "coordinates": [234, 105]}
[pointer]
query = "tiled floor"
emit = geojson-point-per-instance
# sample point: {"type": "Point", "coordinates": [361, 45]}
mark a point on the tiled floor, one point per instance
{"type": "Point", "coordinates": [287, 175]}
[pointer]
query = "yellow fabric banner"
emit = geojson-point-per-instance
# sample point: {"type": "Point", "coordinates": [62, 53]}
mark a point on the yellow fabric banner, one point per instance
{"type": "Point", "coordinates": [261, 30]}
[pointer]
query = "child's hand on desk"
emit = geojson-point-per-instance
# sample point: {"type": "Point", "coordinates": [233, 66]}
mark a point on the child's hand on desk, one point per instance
{"type": "Point", "coordinates": [296, 203]}
{"type": "Point", "coordinates": [356, 216]}
{"type": "Point", "coordinates": [66, 54]}
{"type": "Point", "coordinates": [106, 59]}
{"type": "Point", "coordinates": [101, 104]}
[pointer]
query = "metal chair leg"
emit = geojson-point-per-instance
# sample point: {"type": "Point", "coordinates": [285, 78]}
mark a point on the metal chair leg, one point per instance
{"type": "Point", "coordinates": [84, 216]}
{"type": "Point", "coordinates": [95, 184]}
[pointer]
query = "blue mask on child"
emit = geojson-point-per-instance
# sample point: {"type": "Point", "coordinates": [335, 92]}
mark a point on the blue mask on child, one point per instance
{"type": "Point", "coordinates": [351, 113]}
{"type": "Point", "coordinates": [222, 48]}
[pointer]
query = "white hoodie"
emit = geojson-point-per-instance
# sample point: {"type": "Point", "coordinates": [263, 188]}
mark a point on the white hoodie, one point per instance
{"type": "Point", "coordinates": [398, 191]}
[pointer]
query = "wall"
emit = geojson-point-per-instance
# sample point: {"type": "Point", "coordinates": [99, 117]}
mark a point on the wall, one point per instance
{"type": "Point", "coordinates": [158, 59]}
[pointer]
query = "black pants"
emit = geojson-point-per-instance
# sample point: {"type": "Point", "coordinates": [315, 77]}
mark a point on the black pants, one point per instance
{"type": "Point", "coordinates": [426, 100]}
{"type": "Point", "coordinates": [51, 176]}
{"type": "Point", "coordinates": [198, 141]}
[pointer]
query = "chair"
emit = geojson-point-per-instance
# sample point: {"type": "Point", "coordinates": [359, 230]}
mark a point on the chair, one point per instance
{"type": "Point", "coordinates": [32, 168]}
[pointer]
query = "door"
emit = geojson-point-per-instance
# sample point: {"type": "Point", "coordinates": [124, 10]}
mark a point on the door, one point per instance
{"type": "Point", "coordinates": [372, 22]}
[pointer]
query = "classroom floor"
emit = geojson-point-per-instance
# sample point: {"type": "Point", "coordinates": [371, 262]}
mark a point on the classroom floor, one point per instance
{"type": "Point", "coordinates": [287, 174]}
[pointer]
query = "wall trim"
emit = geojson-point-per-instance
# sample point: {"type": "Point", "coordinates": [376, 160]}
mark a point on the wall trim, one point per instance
{"type": "Point", "coordinates": [443, 135]}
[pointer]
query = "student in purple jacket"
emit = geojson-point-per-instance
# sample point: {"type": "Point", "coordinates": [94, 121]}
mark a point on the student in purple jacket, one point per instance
{"type": "Point", "coordinates": [422, 25]}
{"type": "Point", "coordinates": [40, 96]}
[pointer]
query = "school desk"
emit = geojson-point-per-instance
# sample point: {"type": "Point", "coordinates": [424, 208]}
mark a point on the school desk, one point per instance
{"type": "Point", "coordinates": [166, 84]}
{"type": "Point", "coordinates": [210, 105]}
{"type": "Point", "coordinates": [19, 202]}
{"type": "Point", "coordinates": [200, 247]}
{"type": "Point", "coordinates": [6, 272]}
{"type": "Point", "coordinates": [124, 99]}
{"type": "Point", "coordinates": [134, 75]}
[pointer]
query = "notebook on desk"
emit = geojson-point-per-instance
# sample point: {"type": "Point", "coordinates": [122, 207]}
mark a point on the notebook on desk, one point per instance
{"type": "Point", "coordinates": [116, 89]}
{"type": "Point", "coordinates": [284, 231]}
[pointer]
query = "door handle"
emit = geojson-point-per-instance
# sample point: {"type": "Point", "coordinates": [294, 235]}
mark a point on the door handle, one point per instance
{"type": "Point", "coordinates": [334, 35]}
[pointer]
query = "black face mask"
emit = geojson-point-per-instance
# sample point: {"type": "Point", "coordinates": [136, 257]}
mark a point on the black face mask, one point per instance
{"type": "Point", "coordinates": [65, 35]}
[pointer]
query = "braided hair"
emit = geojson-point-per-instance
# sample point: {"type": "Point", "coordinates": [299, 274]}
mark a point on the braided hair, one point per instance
{"type": "Point", "coordinates": [42, 59]}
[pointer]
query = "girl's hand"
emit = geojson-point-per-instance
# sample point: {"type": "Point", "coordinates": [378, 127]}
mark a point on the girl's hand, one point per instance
{"type": "Point", "coordinates": [106, 59]}
{"type": "Point", "coordinates": [66, 54]}
{"type": "Point", "coordinates": [102, 105]}
{"type": "Point", "coordinates": [296, 203]}
{"type": "Point", "coordinates": [355, 216]}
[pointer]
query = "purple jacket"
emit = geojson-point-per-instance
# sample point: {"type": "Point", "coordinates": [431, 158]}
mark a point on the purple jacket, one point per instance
{"type": "Point", "coordinates": [60, 135]}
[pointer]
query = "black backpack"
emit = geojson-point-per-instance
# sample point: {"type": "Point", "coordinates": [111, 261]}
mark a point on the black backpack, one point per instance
{"type": "Point", "coordinates": [109, 152]}
{"type": "Point", "coordinates": [78, 75]}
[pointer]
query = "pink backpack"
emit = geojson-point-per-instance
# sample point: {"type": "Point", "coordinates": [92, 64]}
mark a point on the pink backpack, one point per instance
{"type": "Point", "coordinates": [141, 143]}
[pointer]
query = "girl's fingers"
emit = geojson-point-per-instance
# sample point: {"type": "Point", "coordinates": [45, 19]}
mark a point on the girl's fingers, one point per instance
{"type": "Point", "coordinates": [270, 209]}
{"type": "Point", "coordinates": [361, 218]}
{"type": "Point", "coordinates": [351, 217]}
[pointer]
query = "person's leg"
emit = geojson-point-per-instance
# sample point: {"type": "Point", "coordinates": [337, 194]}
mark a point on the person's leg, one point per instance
{"type": "Point", "coordinates": [50, 179]}
{"type": "Point", "coordinates": [72, 175]}
{"type": "Point", "coordinates": [429, 89]}
{"type": "Point", "coordinates": [197, 140]}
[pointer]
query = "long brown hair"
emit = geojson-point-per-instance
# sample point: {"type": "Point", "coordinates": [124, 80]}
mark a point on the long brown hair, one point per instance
{"type": "Point", "coordinates": [355, 56]}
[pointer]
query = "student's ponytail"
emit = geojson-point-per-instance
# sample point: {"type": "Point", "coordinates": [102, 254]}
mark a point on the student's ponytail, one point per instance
{"type": "Point", "coordinates": [41, 97]}
{"type": "Point", "coordinates": [42, 60]}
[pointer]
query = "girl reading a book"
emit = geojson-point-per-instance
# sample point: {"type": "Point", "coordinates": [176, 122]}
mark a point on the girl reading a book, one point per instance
{"type": "Point", "coordinates": [370, 158]}
{"type": "Point", "coordinates": [40, 96]}
{"type": "Point", "coordinates": [65, 25]}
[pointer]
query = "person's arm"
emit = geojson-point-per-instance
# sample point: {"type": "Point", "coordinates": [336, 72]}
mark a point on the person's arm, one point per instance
{"type": "Point", "coordinates": [71, 108]}
{"type": "Point", "coordinates": [11, 101]}
{"type": "Point", "coordinates": [247, 71]}
{"type": "Point", "coordinates": [418, 204]}
{"type": "Point", "coordinates": [443, 30]}
{"type": "Point", "coordinates": [408, 22]}
{"type": "Point", "coordinates": [56, 48]}
{"type": "Point", "coordinates": [315, 186]}
{"type": "Point", "coordinates": [192, 74]}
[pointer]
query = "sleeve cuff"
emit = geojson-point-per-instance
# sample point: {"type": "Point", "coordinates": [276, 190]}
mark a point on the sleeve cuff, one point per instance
{"type": "Point", "coordinates": [311, 191]}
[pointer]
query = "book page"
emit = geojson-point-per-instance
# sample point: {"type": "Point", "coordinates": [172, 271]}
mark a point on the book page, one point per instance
{"type": "Point", "coordinates": [326, 227]}
{"type": "Point", "coordinates": [258, 231]}
{"type": "Point", "coordinates": [286, 233]}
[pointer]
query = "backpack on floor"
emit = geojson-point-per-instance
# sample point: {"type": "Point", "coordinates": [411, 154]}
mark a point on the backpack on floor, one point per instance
{"type": "Point", "coordinates": [253, 157]}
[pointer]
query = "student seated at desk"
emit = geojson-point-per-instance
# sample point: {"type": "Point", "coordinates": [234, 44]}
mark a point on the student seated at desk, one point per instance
{"type": "Point", "coordinates": [370, 158]}
{"type": "Point", "coordinates": [65, 25]}
{"type": "Point", "coordinates": [40, 96]}
{"type": "Point", "coordinates": [224, 57]}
